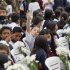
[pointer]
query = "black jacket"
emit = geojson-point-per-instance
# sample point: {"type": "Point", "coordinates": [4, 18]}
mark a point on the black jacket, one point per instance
{"type": "Point", "coordinates": [61, 3]}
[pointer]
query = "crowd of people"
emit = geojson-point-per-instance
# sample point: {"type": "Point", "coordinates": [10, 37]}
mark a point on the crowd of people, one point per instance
{"type": "Point", "coordinates": [34, 26]}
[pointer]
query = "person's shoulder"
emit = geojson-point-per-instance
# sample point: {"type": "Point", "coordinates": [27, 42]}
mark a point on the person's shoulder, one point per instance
{"type": "Point", "coordinates": [40, 52]}
{"type": "Point", "coordinates": [29, 34]}
{"type": "Point", "coordinates": [8, 6]}
{"type": "Point", "coordinates": [2, 68]}
{"type": "Point", "coordinates": [32, 3]}
{"type": "Point", "coordinates": [36, 3]}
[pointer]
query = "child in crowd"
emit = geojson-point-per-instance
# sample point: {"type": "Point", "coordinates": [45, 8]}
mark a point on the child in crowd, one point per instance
{"type": "Point", "coordinates": [9, 8]}
{"type": "Point", "coordinates": [4, 49]}
{"type": "Point", "coordinates": [15, 18]}
{"type": "Point", "coordinates": [2, 16]}
{"type": "Point", "coordinates": [40, 49]}
{"type": "Point", "coordinates": [48, 17]}
{"type": "Point", "coordinates": [37, 12]}
{"type": "Point", "coordinates": [51, 44]}
{"type": "Point", "coordinates": [63, 23]}
{"type": "Point", "coordinates": [6, 35]}
{"type": "Point", "coordinates": [16, 35]}
{"type": "Point", "coordinates": [4, 55]}
{"type": "Point", "coordinates": [52, 25]}
{"type": "Point", "coordinates": [57, 15]}
{"type": "Point", "coordinates": [31, 33]}
{"type": "Point", "coordinates": [37, 21]}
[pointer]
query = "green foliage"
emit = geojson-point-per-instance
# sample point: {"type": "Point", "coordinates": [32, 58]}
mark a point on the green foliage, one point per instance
{"type": "Point", "coordinates": [28, 1]}
{"type": "Point", "coordinates": [65, 62]}
{"type": "Point", "coordinates": [33, 65]}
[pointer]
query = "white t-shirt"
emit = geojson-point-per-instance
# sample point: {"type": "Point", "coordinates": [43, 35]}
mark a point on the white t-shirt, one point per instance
{"type": "Point", "coordinates": [68, 1]}
{"type": "Point", "coordinates": [34, 6]}
{"type": "Point", "coordinates": [29, 39]}
{"type": "Point", "coordinates": [13, 24]}
{"type": "Point", "coordinates": [9, 9]}
{"type": "Point", "coordinates": [47, 5]}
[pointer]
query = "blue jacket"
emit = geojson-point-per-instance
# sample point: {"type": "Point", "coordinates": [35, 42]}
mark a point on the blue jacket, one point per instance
{"type": "Point", "coordinates": [41, 56]}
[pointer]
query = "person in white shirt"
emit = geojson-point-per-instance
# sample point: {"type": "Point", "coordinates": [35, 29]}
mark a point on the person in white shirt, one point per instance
{"type": "Point", "coordinates": [15, 21]}
{"type": "Point", "coordinates": [31, 34]}
{"type": "Point", "coordinates": [48, 4]}
{"type": "Point", "coordinates": [33, 6]}
{"type": "Point", "coordinates": [16, 35]}
{"type": "Point", "coordinates": [9, 8]}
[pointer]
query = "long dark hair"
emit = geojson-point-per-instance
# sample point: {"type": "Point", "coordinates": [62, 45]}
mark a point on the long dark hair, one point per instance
{"type": "Point", "coordinates": [51, 26]}
{"type": "Point", "coordinates": [52, 45]}
{"type": "Point", "coordinates": [63, 20]}
{"type": "Point", "coordinates": [40, 42]}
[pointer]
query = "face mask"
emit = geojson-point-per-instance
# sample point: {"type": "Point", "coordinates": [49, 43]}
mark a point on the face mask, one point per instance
{"type": "Point", "coordinates": [2, 17]}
